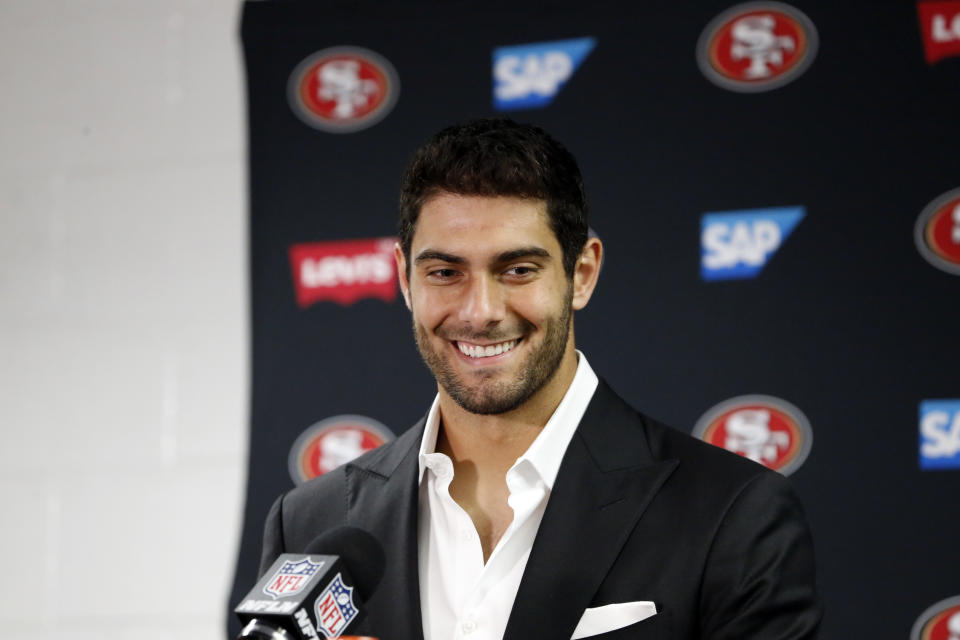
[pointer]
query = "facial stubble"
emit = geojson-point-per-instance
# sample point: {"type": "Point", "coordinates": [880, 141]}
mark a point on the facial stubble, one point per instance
{"type": "Point", "coordinates": [485, 397]}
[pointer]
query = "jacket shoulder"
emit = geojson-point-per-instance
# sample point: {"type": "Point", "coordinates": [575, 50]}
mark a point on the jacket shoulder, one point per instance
{"type": "Point", "coordinates": [669, 442]}
{"type": "Point", "coordinates": [699, 462]}
{"type": "Point", "coordinates": [321, 503]}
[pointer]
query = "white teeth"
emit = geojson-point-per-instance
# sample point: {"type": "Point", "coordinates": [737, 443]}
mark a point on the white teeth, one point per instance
{"type": "Point", "coordinates": [480, 351]}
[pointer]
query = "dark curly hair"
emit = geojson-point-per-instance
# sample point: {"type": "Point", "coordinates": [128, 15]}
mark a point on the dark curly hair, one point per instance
{"type": "Point", "coordinates": [498, 157]}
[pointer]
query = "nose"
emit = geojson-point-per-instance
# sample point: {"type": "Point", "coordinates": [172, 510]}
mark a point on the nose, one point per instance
{"type": "Point", "coordinates": [483, 303]}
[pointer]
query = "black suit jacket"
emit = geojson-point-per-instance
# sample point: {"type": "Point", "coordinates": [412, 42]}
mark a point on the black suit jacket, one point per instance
{"type": "Point", "coordinates": [639, 511]}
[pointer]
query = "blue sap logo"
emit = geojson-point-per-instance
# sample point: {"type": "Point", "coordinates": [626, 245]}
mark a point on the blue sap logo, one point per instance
{"type": "Point", "coordinates": [528, 76]}
{"type": "Point", "coordinates": [738, 244]}
{"type": "Point", "coordinates": [940, 434]}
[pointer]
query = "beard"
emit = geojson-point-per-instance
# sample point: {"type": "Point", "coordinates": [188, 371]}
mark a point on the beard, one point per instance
{"type": "Point", "coordinates": [484, 395]}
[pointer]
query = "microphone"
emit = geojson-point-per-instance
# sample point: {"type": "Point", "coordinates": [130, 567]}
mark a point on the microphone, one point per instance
{"type": "Point", "coordinates": [316, 594]}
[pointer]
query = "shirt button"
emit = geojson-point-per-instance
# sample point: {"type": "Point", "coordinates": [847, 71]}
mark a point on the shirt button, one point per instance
{"type": "Point", "coordinates": [468, 626]}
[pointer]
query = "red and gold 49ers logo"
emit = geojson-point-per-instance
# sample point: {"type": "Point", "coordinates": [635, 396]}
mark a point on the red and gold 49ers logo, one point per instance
{"type": "Point", "coordinates": [939, 622]}
{"type": "Point", "coordinates": [757, 46]}
{"type": "Point", "coordinates": [765, 429]}
{"type": "Point", "coordinates": [343, 89]}
{"type": "Point", "coordinates": [937, 232]}
{"type": "Point", "coordinates": [327, 444]}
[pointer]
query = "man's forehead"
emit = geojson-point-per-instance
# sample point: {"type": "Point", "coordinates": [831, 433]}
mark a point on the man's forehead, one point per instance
{"type": "Point", "coordinates": [449, 218]}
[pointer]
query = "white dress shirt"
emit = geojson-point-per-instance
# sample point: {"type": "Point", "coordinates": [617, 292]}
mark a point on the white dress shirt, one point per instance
{"type": "Point", "coordinates": [460, 596]}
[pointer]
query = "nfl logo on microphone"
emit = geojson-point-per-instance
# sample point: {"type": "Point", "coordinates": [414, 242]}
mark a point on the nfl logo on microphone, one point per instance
{"type": "Point", "coordinates": [291, 578]}
{"type": "Point", "coordinates": [335, 608]}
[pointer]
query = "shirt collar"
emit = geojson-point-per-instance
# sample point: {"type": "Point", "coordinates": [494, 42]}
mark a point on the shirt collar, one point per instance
{"type": "Point", "coordinates": [546, 452]}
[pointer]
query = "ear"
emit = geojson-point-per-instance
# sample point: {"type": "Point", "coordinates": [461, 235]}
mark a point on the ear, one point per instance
{"type": "Point", "coordinates": [586, 272]}
{"type": "Point", "coordinates": [402, 272]}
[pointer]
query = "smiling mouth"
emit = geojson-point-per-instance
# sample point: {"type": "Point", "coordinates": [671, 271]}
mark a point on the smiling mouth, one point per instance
{"type": "Point", "coordinates": [485, 351]}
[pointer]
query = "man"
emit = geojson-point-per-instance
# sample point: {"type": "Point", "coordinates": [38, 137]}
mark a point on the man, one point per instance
{"type": "Point", "coordinates": [531, 502]}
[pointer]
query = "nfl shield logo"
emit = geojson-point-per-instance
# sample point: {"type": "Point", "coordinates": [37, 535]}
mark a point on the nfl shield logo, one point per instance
{"type": "Point", "coordinates": [291, 578]}
{"type": "Point", "coordinates": [335, 608]}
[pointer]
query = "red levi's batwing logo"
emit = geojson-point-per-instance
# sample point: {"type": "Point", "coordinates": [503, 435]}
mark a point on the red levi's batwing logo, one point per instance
{"type": "Point", "coordinates": [940, 25]}
{"type": "Point", "coordinates": [344, 271]}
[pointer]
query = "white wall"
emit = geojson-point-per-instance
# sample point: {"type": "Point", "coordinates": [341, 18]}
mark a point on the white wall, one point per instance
{"type": "Point", "coordinates": [123, 316]}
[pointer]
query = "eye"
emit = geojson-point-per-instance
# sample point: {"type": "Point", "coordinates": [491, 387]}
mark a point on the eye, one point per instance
{"type": "Point", "coordinates": [521, 271]}
{"type": "Point", "coordinates": [442, 274]}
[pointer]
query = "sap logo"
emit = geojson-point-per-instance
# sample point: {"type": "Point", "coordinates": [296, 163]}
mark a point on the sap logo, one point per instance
{"type": "Point", "coordinates": [344, 271]}
{"type": "Point", "coordinates": [940, 25]}
{"type": "Point", "coordinates": [738, 244]}
{"type": "Point", "coordinates": [940, 434]}
{"type": "Point", "coordinates": [528, 76]}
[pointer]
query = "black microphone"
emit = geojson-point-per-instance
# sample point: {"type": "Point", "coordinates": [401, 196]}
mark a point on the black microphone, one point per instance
{"type": "Point", "coordinates": [316, 594]}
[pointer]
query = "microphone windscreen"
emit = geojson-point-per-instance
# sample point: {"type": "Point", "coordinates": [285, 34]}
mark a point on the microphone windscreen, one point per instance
{"type": "Point", "coordinates": [358, 550]}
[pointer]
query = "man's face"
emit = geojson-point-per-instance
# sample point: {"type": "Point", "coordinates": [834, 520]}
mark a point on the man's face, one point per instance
{"type": "Point", "coordinates": [490, 300]}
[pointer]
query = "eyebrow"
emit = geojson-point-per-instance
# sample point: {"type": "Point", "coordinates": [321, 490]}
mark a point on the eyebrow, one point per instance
{"type": "Point", "coordinates": [430, 254]}
{"type": "Point", "coordinates": [506, 256]}
{"type": "Point", "coordinates": [523, 252]}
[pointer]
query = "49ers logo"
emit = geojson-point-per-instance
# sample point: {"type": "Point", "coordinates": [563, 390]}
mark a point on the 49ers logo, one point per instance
{"type": "Point", "coordinates": [937, 232]}
{"type": "Point", "coordinates": [757, 46]}
{"type": "Point", "coordinates": [327, 444]}
{"type": "Point", "coordinates": [767, 430]}
{"type": "Point", "coordinates": [343, 89]}
{"type": "Point", "coordinates": [939, 622]}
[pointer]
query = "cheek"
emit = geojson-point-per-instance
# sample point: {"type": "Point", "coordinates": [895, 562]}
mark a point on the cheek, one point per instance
{"type": "Point", "coordinates": [534, 306]}
{"type": "Point", "coordinates": [429, 310]}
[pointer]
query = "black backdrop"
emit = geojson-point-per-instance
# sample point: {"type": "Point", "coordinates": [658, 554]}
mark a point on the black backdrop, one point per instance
{"type": "Point", "coordinates": [847, 320]}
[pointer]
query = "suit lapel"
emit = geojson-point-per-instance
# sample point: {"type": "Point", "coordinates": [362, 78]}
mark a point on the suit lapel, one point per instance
{"type": "Point", "coordinates": [606, 480]}
{"type": "Point", "coordinates": [382, 499]}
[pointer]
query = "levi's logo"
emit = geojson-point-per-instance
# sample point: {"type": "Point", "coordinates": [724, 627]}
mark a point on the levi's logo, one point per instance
{"type": "Point", "coordinates": [344, 271]}
{"type": "Point", "coordinates": [940, 25]}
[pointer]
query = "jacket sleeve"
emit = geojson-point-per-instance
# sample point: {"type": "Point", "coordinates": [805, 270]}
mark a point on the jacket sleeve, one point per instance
{"type": "Point", "coordinates": [272, 536]}
{"type": "Point", "coordinates": [759, 582]}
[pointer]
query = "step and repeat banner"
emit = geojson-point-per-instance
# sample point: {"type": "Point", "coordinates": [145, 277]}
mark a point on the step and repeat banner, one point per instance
{"type": "Point", "coordinates": [778, 190]}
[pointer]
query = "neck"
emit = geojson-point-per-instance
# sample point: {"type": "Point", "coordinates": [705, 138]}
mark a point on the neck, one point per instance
{"type": "Point", "coordinates": [484, 447]}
